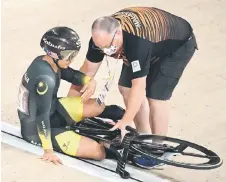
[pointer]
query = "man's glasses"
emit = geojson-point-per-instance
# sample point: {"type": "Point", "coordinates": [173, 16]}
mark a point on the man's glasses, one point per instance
{"type": "Point", "coordinates": [101, 49]}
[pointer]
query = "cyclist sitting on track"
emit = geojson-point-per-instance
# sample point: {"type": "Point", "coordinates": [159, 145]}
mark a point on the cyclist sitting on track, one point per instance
{"type": "Point", "coordinates": [43, 116]}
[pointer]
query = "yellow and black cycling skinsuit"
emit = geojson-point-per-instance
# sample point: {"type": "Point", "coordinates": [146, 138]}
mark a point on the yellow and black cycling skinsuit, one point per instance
{"type": "Point", "coordinates": [156, 44]}
{"type": "Point", "coordinates": [42, 114]}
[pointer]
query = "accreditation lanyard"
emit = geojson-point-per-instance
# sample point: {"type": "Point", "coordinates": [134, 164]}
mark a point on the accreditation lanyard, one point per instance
{"type": "Point", "coordinates": [109, 81]}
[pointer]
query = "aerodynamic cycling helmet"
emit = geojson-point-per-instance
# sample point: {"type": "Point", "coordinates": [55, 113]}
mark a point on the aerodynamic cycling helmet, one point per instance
{"type": "Point", "coordinates": [61, 43]}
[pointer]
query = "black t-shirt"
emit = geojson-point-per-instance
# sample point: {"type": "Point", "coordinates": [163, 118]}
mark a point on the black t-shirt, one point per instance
{"type": "Point", "coordinates": [148, 34]}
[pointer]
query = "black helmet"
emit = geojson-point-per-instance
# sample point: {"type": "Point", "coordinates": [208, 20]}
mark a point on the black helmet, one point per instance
{"type": "Point", "coordinates": [61, 43]}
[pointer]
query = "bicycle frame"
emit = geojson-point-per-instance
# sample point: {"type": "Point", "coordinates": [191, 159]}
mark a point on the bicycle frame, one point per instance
{"type": "Point", "coordinates": [104, 135]}
{"type": "Point", "coordinates": [98, 130]}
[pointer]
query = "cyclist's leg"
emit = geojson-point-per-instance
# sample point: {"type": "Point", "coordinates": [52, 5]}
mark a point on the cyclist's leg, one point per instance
{"type": "Point", "coordinates": [29, 132]}
{"type": "Point", "coordinates": [113, 112]}
{"type": "Point", "coordinates": [73, 144]}
{"type": "Point", "coordinates": [70, 143]}
{"type": "Point", "coordinates": [67, 142]}
{"type": "Point", "coordinates": [91, 108]}
{"type": "Point", "coordinates": [64, 140]}
{"type": "Point", "coordinates": [74, 110]}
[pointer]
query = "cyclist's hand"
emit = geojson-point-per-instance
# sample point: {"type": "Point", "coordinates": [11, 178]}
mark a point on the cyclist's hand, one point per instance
{"type": "Point", "coordinates": [88, 89]}
{"type": "Point", "coordinates": [49, 156]}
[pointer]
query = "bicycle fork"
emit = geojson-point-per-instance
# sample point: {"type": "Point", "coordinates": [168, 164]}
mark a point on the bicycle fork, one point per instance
{"type": "Point", "coordinates": [124, 156]}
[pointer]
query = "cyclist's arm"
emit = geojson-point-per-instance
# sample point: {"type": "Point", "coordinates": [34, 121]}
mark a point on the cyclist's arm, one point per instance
{"type": "Point", "coordinates": [90, 67]}
{"type": "Point", "coordinates": [74, 76]}
{"type": "Point", "coordinates": [44, 93]}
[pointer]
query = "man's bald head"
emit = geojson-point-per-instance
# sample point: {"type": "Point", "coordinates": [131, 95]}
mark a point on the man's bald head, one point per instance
{"type": "Point", "coordinates": [105, 23]}
{"type": "Point", "coordinates": [106, 31]}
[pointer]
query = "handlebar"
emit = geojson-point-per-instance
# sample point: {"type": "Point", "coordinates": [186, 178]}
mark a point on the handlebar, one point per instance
{"type": "Point", "coordinates": [130, 129]}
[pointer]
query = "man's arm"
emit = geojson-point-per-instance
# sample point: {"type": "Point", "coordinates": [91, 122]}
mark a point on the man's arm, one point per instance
{"type": "Point", "coordinates": [138, 53]}
{"type": "Point", "coordinates": [136, 96]}
{"type": "Point", "coordinates": [44, 93]}
{"type": "Point", "coordinates": [90, 67]}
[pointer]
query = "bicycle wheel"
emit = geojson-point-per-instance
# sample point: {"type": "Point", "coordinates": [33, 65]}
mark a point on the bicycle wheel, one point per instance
{"type": "Point", "coordinates": [175, 152]}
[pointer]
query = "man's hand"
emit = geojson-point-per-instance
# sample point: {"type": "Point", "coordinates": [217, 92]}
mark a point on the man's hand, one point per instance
{"type": "Point", "coordinates": [110, 122]}
{"type": "Point", "coordinates": [88, 90]}
{"type": "Point", "coordinates": [121, 124]}
{"type": "Point", "coordinates": [49, 156]}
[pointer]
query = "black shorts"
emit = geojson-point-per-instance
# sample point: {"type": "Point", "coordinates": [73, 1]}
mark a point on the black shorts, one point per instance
{"type": "Point", "coordinates": [63, 139]}
{"type": "Point", "coordinates": [30, 133]}
{"type": "Point", "coordinates": [165, 73]}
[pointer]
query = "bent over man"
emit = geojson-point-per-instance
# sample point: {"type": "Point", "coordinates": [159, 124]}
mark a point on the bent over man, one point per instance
{"type": "Point", "coordinates": [155, 47]}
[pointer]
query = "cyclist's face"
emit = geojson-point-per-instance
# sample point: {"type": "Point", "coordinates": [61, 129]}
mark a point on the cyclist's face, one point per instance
{"type": "Point", "coordinates": [63, 63]}
{"type": "Point", "coordinates": [68, 58]}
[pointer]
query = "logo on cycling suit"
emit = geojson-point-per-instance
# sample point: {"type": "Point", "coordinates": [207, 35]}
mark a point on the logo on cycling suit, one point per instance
{"type": "Point", "coordinates": [52, 45]}
{"type": "Point", "coordinates": [42, 88]}
{"type": "Point", "coordinates": [26, 78]}
{"type": "Point", "coordinates": [65, 145]}
{"type": "Point", "coordinates": [44, 129]}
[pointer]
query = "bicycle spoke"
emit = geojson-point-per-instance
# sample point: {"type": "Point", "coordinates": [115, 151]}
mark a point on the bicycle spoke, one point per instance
{"type": "Point", "coordinates": [158, 148]}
